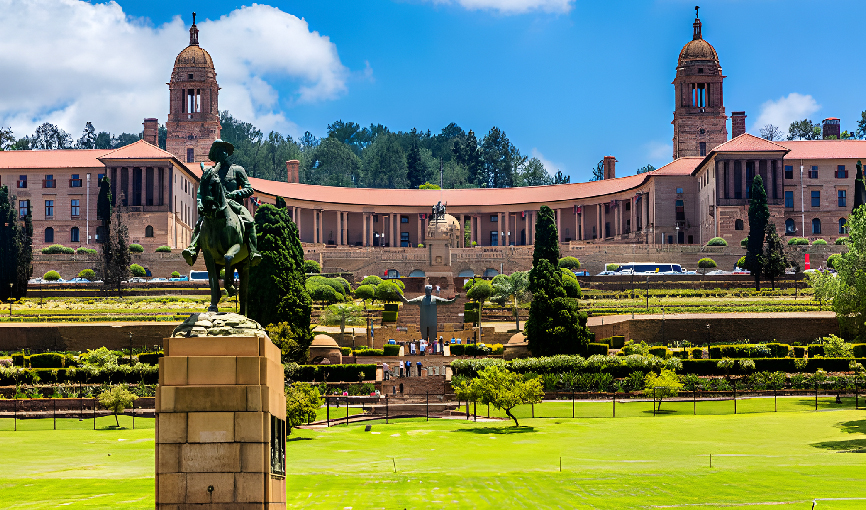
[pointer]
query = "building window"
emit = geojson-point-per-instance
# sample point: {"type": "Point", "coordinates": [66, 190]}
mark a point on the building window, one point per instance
{"type": "Point", "coordinates": [842, 197]}
{"type": "Point", "coordinates": [404, 219]}
{"type": "Point", "coordinates": [699, 95]}
{"type": "Point", "coordinates": [148, 231]}
{"type": "Point", "coordinates": [49, 208]}
{"type": "Point", "coordinates": [494, 218]}
{"type": "Point", "coordinates": [22, 181]}
{"type": "Point", "coordinates": [680, 210]}
{"type": "Point", "coordinates": [843, 226]}
{"type": "Point", "coordinates": [738, 225]}
{"type": "Point", "coordinates": [75, 182]}
{"type": "Point", "coordinates": [841, 173]}
{"type": "Point", "coordinates": [679, 191]}
{"type": "Point", "coordinates": [789, 199]}
{"type": "Point", "coordinates": [76, 208]}
{"type": "Point", "coordinates": [100, 234]}
{"type": "Point", "coordinates": [816, 226]}
{"type": "Point", "coordinates": [789, 171]}
{"type": "Point", "coordinates": [703, 146]}
{"type": "Point", "coordinates": [404, 239]}
{"type": "Point", "coordinates": [190, 155]}
{"type": "Point", "coordinates": [790, 229]}
{"type": "Point", "coordinates": [816, 198]}
{"type": "Point", "coordinates": [49, 235]}
{"type": "Point", "coordinates": [73, 235]}
{"type": "Point", "coordinates": [23, 208]}
{"type": "Point", "coordinates": [49, 182]}
{"type": "Point", "coordinates": [813, 172]}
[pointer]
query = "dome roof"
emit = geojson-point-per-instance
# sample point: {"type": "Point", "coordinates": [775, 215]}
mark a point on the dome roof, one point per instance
{"type": "Point", "coordinates": [323, 341]}
{"type": "Point", "coordinates": [193, 56]}
{"type": "Point", "coordinates": [698, 49]}
{"type": "Point", "coordinates": [517, 338]}
{"type": "Point", "coordinates": [444, 225]}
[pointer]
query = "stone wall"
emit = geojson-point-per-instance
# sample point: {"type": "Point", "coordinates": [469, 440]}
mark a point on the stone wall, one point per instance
{"type": "Point", "coordinates": [80, 337]}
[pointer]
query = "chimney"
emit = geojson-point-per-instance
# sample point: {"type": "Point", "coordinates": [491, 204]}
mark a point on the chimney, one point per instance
{"type": "Point", "coordinates": [609, 167]}
{"type": "Point", "coordinates": [292, 171]}
{"type": "Point", "coordinates": [738, 124]}
{"type": "Point", "coordinates": [831, 127]}
{"type": "Point", "coordinates": [151, 131]}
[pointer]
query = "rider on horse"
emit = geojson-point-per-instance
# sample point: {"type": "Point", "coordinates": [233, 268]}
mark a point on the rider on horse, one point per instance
{"type": "Point", "coordinates": [234, 179]}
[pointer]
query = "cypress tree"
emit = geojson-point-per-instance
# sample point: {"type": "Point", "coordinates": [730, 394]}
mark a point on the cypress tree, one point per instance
{"type": "Point", "coordinates": [859, 187]}
{"type": "Point", "coordinates": [775, 260]}
{"type": "Point", "coordinates": [555, 326]}
{"type": "Point", "coordinates": [8, 244]}
{"type": "Point", "coordinates": [279, 294]}
{"type": "Point", "coordinates": [759, 215]}
{"type": "Point", "coordinates": [25, 254]}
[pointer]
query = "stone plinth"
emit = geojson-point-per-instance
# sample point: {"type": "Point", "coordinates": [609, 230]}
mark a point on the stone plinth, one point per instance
{"type": "Point", "coordinates": [220, 424]}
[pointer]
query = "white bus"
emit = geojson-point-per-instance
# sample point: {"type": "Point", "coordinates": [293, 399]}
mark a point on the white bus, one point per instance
{"type": "Point", "coordinates": [649, 268]}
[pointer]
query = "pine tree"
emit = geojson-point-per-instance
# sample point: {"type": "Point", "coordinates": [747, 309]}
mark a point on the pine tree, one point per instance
{"type": "Point", "coordinates": [8, 244]}
{"type": "Point", "coordinates": [88, 138]}
{"type": "Point", "coordinates": [115, 260]}
{"type": "Point", "coordinates": [25, 254]}
{"type": "Point", "coordinates": [281, 296]}
{"type": "Point", "coordinates": [759, 215]}
{"type": "Point", "coordinates": [416, 171]}
{"type": "Point", "coordinates": [859, 187]}
{"type": "Point", "coordinates": [555, 326]}
{"type": "Point", "coordinates": [774, 260]}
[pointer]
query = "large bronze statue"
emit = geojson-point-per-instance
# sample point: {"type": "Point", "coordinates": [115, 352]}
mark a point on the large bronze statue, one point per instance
{"type": "Point", "coordinates": [429, 316]}
{"type": "Point", "coordinates": [225, 232]}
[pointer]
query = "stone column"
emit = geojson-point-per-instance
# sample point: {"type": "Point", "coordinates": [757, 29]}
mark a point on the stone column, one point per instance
{"type": "Point", "coordinates": [462, 242]}
{"type": "Point", "coordinates": [558, 213]}
{"type": "Point", "coordinates": [582, 232]}
{"type": "Point", "coordinates": [364, 217]}
{"type": "Point", "coordinates": [632, 227]}
{"type": "Point", "coordinates": [501, 224]}
{"type": "Point", "coordinates": [617, 218]}
{"type": "Point", "coordinates": [530, 227]}
{"type": "Point", "coordinates": [418, 240]}
{"type": "Point", "coordinates": [298, 211]}
{"type": "Point", "coordinates": [339, 240]}
{"type": "Point", "coordinates": [507, 228]}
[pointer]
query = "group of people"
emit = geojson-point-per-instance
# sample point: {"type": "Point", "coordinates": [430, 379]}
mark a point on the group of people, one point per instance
{"type": "Point", "coordinates": [402, 369]}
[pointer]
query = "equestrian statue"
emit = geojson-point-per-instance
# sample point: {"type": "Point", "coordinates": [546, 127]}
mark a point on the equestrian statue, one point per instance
{"type": "Point", "coordinates": [225, 231]}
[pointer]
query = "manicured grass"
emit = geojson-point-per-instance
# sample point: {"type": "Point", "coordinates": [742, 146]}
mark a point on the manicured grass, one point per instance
{"type": "Point", "coordinates": [780, 459]}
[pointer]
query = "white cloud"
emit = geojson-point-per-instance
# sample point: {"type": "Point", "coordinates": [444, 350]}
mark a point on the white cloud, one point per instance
{"type": "Point", "coordinates": [549, 165]}
{"type": "Point", "coordinates": [70, 62]}
{"type": "Point", "coordinates": [785, 110]}
{"type": "Point", "coordinates": [514, 6]}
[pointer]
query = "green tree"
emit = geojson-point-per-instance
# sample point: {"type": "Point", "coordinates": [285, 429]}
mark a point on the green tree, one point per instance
{"type": "Point", "coordinates": [281, 296]}
{"type": "Point", "coordinates": [646, 169]}
{"type": "Point", "coordinates": [88, 138]}
{"type": "Point", "coordinates": [513, 288]}
{"type": "Point", "coordinates": [661, 385]}
{"type": "Point", "coordinates": [388, 292]}
{"type": "Point", "coordinates": [480, 291]}
{"type": "Point", "coordinates": [332, 163]}
{"type": "Point", "coordinates": [50, 137]}
{"type": "Point", "coordinates": [137, 271]}
{"type": "Point", "coordinates": [859, 186]}
{"type": "Point", "coordinates": [302, 402]}
{"type": "Point", "coordinates": [365, 293]}
{"type": "Point", "coordinates": [775, 260]}
{"type": "Point", "coordinates": [706, 263]}
{"type": "Point", "coordinates": [467, 154]}
{"type": "Point", "coordinates": [116, 399]}
{"type": "Point", "coordinates": [560, 178]}
{"type": "Point", "coordinates": [598, 171]}
{"type": "Point", "coordinates": [312, 266]}
{"type": "Point", "coordinates": [804, 130]}
{"type": "Point", "coordinates": [771, 132]}
{"type": "Point", "coordinates": [498, 156]}
{"type": "Point", "coordinates": [384, 163]}
{"type": "Point", "coordinates": [569, 263]}
{"type": "Point", "coordinates": [861, 126]}
{"type": "Point", "coordinates": [546, 238]}
{"type": "Point", "coordinates": [502, 389]}
{"type": "Point", "coordinates": [343, 314]}
{"type": "Point", "coordinates": [115, 259]}
{"type": "Point", "coordinates": [7, 138]}
{"type": "Point", "coordinates": [324, 294]}
{"type": "Point", "coordinates": [570, 284]}
{"type": "Point", "coordinates": [533, 173]}
{"type": "Point", "coordinates": [417, 171]}
{"type": "Point", "coordinates": [8, 243]}
{"type": "Point", "coordinates": [103, 204]}
{"type": "Point", "coordinates": [24, 245]}
{"type": "Point", "coordinates": [759, 215]}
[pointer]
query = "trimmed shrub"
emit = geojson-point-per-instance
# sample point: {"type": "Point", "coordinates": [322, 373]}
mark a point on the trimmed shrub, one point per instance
{"type": "Point", "coordinates": [371, 280]}
{"type": "Point", "coordinates": [496, 349]}
{"type": "Point", "coordinates": [700, 367]}
{"type": "Point", "coordinates": [859, 350]}
{"type": "Point", "coordinates": [346, 351]}
{"type": "Point", "coordinates": [605, 341]}
{"type": "Point", "coordinates": [819, 242]}
{"type": "Point", "coordinates": [594, 348]}
{"type": "Point", "coordinates": [90, 274]}
{"type": "Point", "coordinates": [611, 267]}
{"type": "Point", "coordinates": [137, 271]}
{"type": "Point", "coordinates": [150, 358]}
{"type": "Point", "coordinates": [744, 242]}
{"type": "Point", "coordinates": [696, 353]}
{"type": "Point", "coordinates": [48, 360]}
{"type": "Point", "coordinates": [56, 249]}
{"type": "Point", "coordinates": [163, 249]}
{"type": "Point", "coordinates": [477, 350]}
{"type": "Point", "coordinates": [136, 248]}
{"type": "Point", "coordinates": [390, 350]}
{"type": "Point", "coordinates": [85, 251]}
{"type": "Point", "coordinates": [741, 262]}
{"type": "Point", "coordinates": [660, 351]}
{"type": "Point", "coordinates": [311, 266]}
{"type": "Point", "coordinates": [778, 350]}
{"type": "Point", "coordinates": [707, 263]}
{"type": "Point", "coordinates": [458, 349]}
{"type": "Point", "coordinates": [51, 276]}
{"type": "Point", "coordinates": [815, 350]}
{"type": "Point", "coordinates": [334, 373]}
{"type": "Point", "coordinates": [470, 312]}
{"type": "Point", "coordinates": [175, 274]}
{"type": "Point", "coordinates": [799, 351]}
{"type": "Point", "coordinates": [389, 316]}
{"type": "Point", "coordinates": [366, 351]}
{"type": "Point", "coordinates": [392, 307]}
{"type": "Point", "coordinates": [798, 241]}
{"type": "Point", "coordinates": [842, 240]}
{"type": "Point", "coordinates": [717, 241]}
{"type": "Point", "coordinates": [18, 359]}
{"type": "Point", "coordinates": [740, 351]}
{"type": "Point", "coordinates": [832, 260]}
{"type": "Point", "coordinates": [617, 341]}
{"type": "Point", "coordinates": [569, 263]}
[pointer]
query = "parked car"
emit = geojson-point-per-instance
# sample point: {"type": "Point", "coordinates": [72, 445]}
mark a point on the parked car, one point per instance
{"type": "Point", "coordinates": [158, 280]}
{"type": "Point", "coordinates": [582, 272]}
{"type": "Point", "coordinates": [179, 279]}
{"type": "Point", "coordinates": [606, 273]}
{"type": "Point", "coordinates": [138, 280]}
{"type": "Point", "coordinates": [35, 281]}
{"type": "Point", "coordinates": [718, 272]}
{"type": "Point", "coordinates": [78, 280]}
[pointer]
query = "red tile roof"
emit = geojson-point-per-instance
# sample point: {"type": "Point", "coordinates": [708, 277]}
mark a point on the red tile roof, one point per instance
{"type": "Point", "coordinates": [748, 143]}
{"type": "Point", "coordinates": [137, 150]}
{"type": "Point", "coordinates": [466, 197]}
{"type": "Point", "coordinates": [825, 149]}
{"type": "Point", "coordinates": [72, 158]}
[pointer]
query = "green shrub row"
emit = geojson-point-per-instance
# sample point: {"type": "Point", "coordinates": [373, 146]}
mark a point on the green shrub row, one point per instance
{"type": "Point", "coordinates": [44, 360]}
{"type": "Point", "coordinates": [390, 350]}
{"type": "Point", "coordinates": [110, 375]}
{"type": "Point", "coordinates": [366, 351]}
{"type": "Point", "coordinates": [150, 358]}
{"type": "Point", "coordinates": [389, 316]}
{"type": "Point", "coordinates": [597, 348]}
{"type": "Point", "coordinates": [330, 373]}
{"type": "Point", "coordinates": [346, 351]}
{"type": "Point", "coordinates": [787, 365]}
{"type": "Point", "coordinates": [614, 342]}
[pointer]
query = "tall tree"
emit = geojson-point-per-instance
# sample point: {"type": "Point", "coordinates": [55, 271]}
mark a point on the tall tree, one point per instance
{"type": "Point", "coordinates": [333, 163]}
{"type": "Point", "coordinates": [759, 215]}
{"type": "Point", "coordinates": [417, 171]}
{"type": "Point", "coordinates": [561, 178]}
{"type": "Point", "coordinates": [50, 137]}
{"type": "Point", "coordinates": [859, 187]}
{"type": "Point", "coordinates": [598, 172]}
{"type": "Point", "coordinates": [8, 244]}
{"type": "Point", "coordinates": [771, 132]}
{"type": "Point", "coordinates": [646, 169]}
{"type": "Point", "coordinates": [88, 138]}
{"type": "Point", "coordinates": [282, 297]}
{"type": "Point", "coordinates": [775, 260]}
{"type": "Point", "coordinates": [124, 139]}
{"type": "Point", "coordinates": [24, 247]}
{"type": "Point", "coordinates": [7, 139]}
{"type": "Point", "coordinates": [384, 164]}
{"type": "Point", "coordinates": [804, 130]}
{"type": "Point", "coordinates": [533, 173]}
{"type": "Point", "coordinates": [115, 260]}
{"type": "Point", "coordinates": [546, 238]}
{"type": "Point", "coordinates": [498, 156]}
{"type": "Point", "coordinates": [861, 126]}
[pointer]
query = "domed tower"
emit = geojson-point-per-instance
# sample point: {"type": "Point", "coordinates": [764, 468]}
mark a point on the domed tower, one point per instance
{"type": "Point", "coordinates": [700, 123]}
{"type": "Point", "coordinates": [193, 117]}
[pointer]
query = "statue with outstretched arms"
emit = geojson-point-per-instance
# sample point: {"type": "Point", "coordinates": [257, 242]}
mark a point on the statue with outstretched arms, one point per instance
{"type": "Point", "coordinates": [429, 316]}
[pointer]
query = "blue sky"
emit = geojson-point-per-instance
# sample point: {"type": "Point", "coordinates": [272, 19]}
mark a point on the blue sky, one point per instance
{"type": "Point", "coordinates": [570, 82]}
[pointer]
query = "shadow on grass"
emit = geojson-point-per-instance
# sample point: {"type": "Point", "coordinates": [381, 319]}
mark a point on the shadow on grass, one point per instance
{"type": "Point", "coordinates": [290, 439]}
{"type": "Point", "coordinates": [661, 411]}
{"type": "Point", "coordinates": [853, 427]}
{"type": "Point", "coordinates": [850, 446]}
{"type": "Point", "coordinates": [497, 430]}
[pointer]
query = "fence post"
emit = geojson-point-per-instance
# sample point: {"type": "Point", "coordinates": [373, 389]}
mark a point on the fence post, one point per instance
{"type": "Point", "coordinates": [347, 411]}
{"type": "Point", "coordinates": [654, 401]}
{"type": "Point", "coordinates": [94, 414]}
{"type": "Point", "coordinates": [856, 395]}
{"type": "Point", "coordinates": [474, 411]}
{"type": "Point", "coordinates": [533, 410]}
{"type": "Point", "coordinates": [735, 396]}
{"type": "Point", "coordinates": [133, 415]}
{"type": "Point", "coordinates": [614, 404]}
{"type": "Point", "coordinates": [775, 402]}
{"type": "Point", "coordinates": [428, 405]}
{"type": "Point", "coordinates": [386, 408]}
{"type": "Point", "coordinates": [572, 402]}
{"type": "Point", "coordinates": [327, 411]}
{"type": "Point", "coordinates": [694, 401]}
{"type": "Point", "coordinates": [15, 415]}
{"type": "Point", "coordinates": [488, 409]}
{"type": "Point", "coordinates": [55, 413]}
{"type": "Point", "coordinates": [816, 396]}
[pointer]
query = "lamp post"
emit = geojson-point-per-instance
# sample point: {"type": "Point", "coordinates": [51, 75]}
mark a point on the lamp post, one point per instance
{"type": "Point", "coordinates": [10, 301]}
{"type": "Point", "coordinates": [678, 233]}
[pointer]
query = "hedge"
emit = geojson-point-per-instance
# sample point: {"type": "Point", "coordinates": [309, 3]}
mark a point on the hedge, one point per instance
{"type": "Point", "coordinates": [18, 359]}
{"type": "Point", "coordinates": [136, 248]}
{"type": "Point", "coordinates": [799, 351]}
{"type": "Point", "coordinates": [859, 350]}
{"type": "Point", "coordinates": [660, 351]}
{"type": "Point", "coordinates": [48, 360]}
{"type": "Point", "coordinates": [717, 241]}
{"type": "Point", "coordinates": [617, 342]}
{"type": "Point", "coordinates": [334, 373]}
{"type": "Point", "coordinates": [787, 365]}
{"type": "Point", "coordinates": [57, 248]}
{"type": "Point", "coordinates": [594, 348]}
{"type": "Point", "coordinates": [815, 350]}
{"type": "Point", "coordinates": [696, 353]}
{"type": "Point", "coordinates": [458, 349]}
{"type": "Point", "coordinates": [741, 351]}
{"type": "Point", "coordinates": [388, 316]}
{"type": "Point", "coordinates": [390, 350]}
{"type": "Point", "coordinates": [62, 375]}
{"type": "Point", "coordinates": [150, 358]}
{"type": "Point", "coordinates": [346, 351]}
{"type": "Point", "coordinates": [366, 351]}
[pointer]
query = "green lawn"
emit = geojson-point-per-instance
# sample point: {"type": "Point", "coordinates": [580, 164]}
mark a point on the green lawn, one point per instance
{"type": "Point", "coordinates": [783, 460]}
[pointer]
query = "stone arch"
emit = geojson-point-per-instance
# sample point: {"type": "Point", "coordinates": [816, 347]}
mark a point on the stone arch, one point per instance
{"type": "Point", "coordinates": [148, 231]}
{"type": "Point", "coordinates": [49, 235]}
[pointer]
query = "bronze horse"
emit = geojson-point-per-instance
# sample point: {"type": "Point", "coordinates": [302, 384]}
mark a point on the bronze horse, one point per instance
{"type": "Point", "coordinates": [222, 242]}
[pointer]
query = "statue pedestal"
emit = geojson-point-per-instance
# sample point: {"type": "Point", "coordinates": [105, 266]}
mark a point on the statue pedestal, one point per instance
{"type": "Point", "coordinates": [220, 425]}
